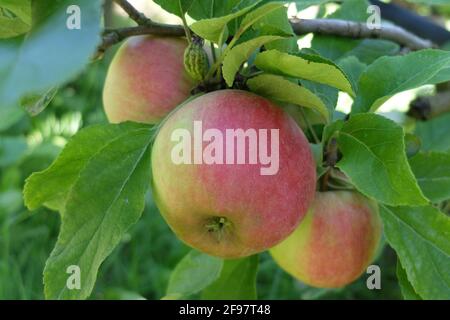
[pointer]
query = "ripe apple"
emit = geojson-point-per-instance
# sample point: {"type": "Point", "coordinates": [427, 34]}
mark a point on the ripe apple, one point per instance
{"type": "Point", "coordinates": [222, 206]}
{"type": "Point", "coordinates": [146, 79]}
{"type": "Point", "coordinates": [334, 243]}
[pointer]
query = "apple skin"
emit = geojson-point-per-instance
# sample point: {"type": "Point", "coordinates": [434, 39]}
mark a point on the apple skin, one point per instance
{"type": "Point", "coordinates": [146, 80]}
{"type": "Point", "coordinates": [334, 243]}
{"type": "Point", "coordinates": [259, 211]}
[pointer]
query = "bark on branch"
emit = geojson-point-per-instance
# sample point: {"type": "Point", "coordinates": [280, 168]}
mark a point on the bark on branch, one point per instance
{"type": "Point", "coordinates": [425, 108]}
{"type": "Point", "coordinates": [332, 27]}
{"type": "Point", "coordinates": [358, 30]}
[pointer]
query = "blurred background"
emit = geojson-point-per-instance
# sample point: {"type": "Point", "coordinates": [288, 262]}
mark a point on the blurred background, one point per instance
{"type": "Point", "coordinates": [141, 265]}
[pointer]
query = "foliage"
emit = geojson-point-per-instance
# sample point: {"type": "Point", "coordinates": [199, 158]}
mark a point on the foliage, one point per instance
{"type": "Point", "coordinates": [97, 175]}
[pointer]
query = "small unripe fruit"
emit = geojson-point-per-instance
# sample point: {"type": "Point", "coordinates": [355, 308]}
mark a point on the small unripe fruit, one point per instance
{"type": "Point", "coordinates": [196, 61]}
{"type": "Point", "coordinates": [232, 210]}
{"type": "Point", "coordinates": [334, 243]}
{"type": "Point", "coordinates": [146, 80]}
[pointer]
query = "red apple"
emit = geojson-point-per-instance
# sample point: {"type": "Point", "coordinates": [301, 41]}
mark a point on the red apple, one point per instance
{"type": "Point", "coordinates": [232, 209]}
{"type": "Point", "coordinates": [146, 80]}
{"type": "Point", "coordinates": [335, 242]}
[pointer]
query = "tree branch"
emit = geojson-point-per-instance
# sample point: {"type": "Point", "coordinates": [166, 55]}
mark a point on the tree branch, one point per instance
{"type": "Point", "coordinates": [425, 108]}
{"type": "Point", "coordinates": [332, 27]}
{"type": "Point", "coordinates": [358, 30]}
{"type": "Point", "coordinates": [134, 14]}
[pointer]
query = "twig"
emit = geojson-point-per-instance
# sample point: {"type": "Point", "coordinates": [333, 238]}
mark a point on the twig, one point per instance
{"type": "Point", "coordinates": [425, 108]}
{"type": "Point", "coordinates": [359, 30]}
{"type": "Point", "coordinates": [332, 27]}
{"type": "Point", "coordinates": [134, 14]}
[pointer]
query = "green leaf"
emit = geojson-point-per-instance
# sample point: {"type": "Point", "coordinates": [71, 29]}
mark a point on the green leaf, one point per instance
{"type": "Point", "coordinates": [304, 66]}
{"type": "Point", "coordinates": [369, 50]}
{"type": "Point", "coordinates": [10, 115]}
{"type": "Point", "coordinates": [434, 133]}
{"type": "Point", "coordinates": [256, 15]}
{"type": "Point", "coordinates": [239, 54]}
{"type": "Point", "coordinates": [303, 4]}
{"type": "Point", "coordinates": [405, 287]}
{"type": "Point", "coordinates": [420, 236]}
{"type": "Point", "coordinates": [193, 273]}
{"type": "Point", "coordinates": [12, 27]}
{"type": "Point", "coordinates": [205, 9]}
{"type": "Point", "coordinates": [47, 48]}
{"type": "Point", "coordinates": [353, 68]}
{"type": "Point", "coordinates": [20, 8]}
{"type": "Point", "coordinates": [176, 7]}
{"type": "Point", "coordinates": [390, 75]}
{"type": "Point", "coordinates": [278, 88]}
{"type": "Point", "coordinates": [327, 94]}
{"type": "Point", "coordinates": [237, 281]}
{"type": "Point", "coordinates": [106, 199]}
{"type": "Point", "coordinates": [374, 159]}
{"type": "Point", "coordinates": [11, 150]}
{"type": "Point", "coordinates": [335, 47]}
{"type": "Point", "coordinates": [36, 103]}
{"type": "Point", "coordinates": [432, 171]}
{"type": "Point", "coordinates": [212, 29]}
{"type": "Point", "coordinates": [51, 186]}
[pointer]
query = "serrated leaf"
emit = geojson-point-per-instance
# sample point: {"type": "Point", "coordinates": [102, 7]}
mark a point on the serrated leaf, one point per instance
{"type": "Point", "coordinates": [213, 28]}
{"type": "Point", "coordinates": [193, 273]}
{"type": "Point", "coordinates": [51, 41]}
{"type": "Point", "coordinates": [237, 281]}
{"type": "Point", "coordinates": [51, 186]}
{"type": "Point", "coordinates": [390, 75]}
{"type": "Point", "coordinates": [106, 199]}
{"type": "Point", "coordinates": [374, 159]}
{"type": "Point", "coordinates": [278, 88]}
{"type": "Point", "coordinates": [405, 287]}
{"type": "Point", "coordinates": [420, 236]}
{"type": "Point", "coordinates": [239, 54]}
{"type": "Point", "coordinates": [432, 171]}
{"type": "Point", "coordinates": [304, 66]}
{"type": "Point", "coordinates": [434, 133]}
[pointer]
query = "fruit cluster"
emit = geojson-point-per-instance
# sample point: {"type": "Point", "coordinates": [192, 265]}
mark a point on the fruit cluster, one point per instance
{"type": "Point", "coordinates": [325, 239]}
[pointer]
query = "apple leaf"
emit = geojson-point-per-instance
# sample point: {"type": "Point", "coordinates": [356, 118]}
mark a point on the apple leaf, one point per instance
{"type": "Point", "coordinates": [374, 159]}
{"type": "Point", "coordinates": [239, 54]}
{"type": "Point", "coordinates": [432, 171]}
{"type": "Point", "coordinates": [304, 66]}
{"type": "Point", "coordinates": [212, 29]}
{"type": "Point", "coordinates": [256, 15]}
{"type": "Point", "coordinates": [434, 133]}
{"type": "Point", "coordinates": [390, 75]}
{"type": "Point", "coordinates": [237, 281]}
{"type": "Point", "coordinates": [420, 236]}
{"type": "Point", "coordinates": [193, 273]}
{"type": "Point", "coordinates": [104, 201]}
{"type": "Point", "coordinates": [20, 8]}
{"type": "Point", "coordinates": [46, 49]}
{"type": "Point", "coordinates": [405, 287]}
{"type": "Point", "coordinates": [353, 68]}
{"type": "Point", "coordinates": [11, 150]}
{"type": "Point", "coordinates": [52, 186]}
{"type": "Point", "coordinates": [278, 88]}
{"type": "Point", "coordinates": [335, 47]}
{"type": "Point", "coordinates": [176, 7]}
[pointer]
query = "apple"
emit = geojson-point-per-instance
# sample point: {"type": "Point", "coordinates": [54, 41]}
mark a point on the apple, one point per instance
{"type": "Point", "coordinates": [334, 243]}
{"type": "Point", "coordinates": [146, 79]}
{"type": "Point", "coordinates": [233, 174]}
